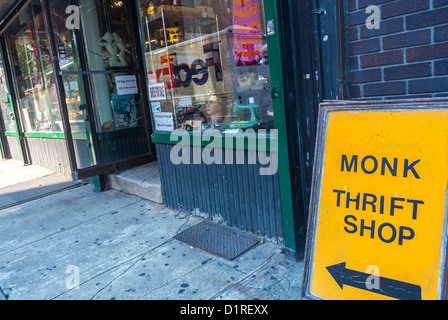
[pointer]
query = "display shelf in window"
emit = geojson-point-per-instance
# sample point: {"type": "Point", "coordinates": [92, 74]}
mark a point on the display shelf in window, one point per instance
{"type": "Point", "coordinates": [217, 59]}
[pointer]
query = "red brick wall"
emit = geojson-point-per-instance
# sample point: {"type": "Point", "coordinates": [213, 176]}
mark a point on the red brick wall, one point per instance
{"type": "Point", "coordinates": [407, 57]}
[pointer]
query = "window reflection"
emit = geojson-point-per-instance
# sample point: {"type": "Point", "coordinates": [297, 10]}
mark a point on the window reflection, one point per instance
{"type": "Point", "coordinates": [39, 107]}
{"type": "Point", "coordinates": [5, 100]}
{"type": "Point", "coordinates": [207, 64]}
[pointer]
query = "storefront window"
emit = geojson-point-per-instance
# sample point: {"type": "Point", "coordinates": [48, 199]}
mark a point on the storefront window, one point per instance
{"type": "Point", "coordinates": [39, 107]}
{"type": "Point", "coordinates": [5, 99]}
{"type": "Point", "coordinates": [68, 62]}
{"type": "Point", "coordinates": [207, 63]}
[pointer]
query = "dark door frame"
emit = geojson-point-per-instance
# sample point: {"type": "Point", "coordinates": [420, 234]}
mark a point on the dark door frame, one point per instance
{"type": "Point", "coordinates": [313, 35]}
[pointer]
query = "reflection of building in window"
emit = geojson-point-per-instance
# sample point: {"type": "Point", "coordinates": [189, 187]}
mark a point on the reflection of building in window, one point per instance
{"type": "Point", "coordinates": [247, 32]}
{"type": "Point", "coordinates": [5, 102]}
{"type": "Point", "coordinates": [33, 72]}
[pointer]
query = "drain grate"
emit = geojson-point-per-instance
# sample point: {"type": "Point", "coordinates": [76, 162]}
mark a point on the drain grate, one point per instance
{"type": "Point", "coordinates": [34, 189]}
{"type": "Point", "coordinates": [218, 239]}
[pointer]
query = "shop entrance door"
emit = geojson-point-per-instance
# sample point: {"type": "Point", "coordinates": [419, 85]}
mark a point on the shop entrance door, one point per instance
{"type": "Point", "coordinates": [101, 84]}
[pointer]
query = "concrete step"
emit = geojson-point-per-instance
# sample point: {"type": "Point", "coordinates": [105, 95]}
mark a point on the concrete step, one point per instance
{"type": "Point", "coordinates": [142, 181]}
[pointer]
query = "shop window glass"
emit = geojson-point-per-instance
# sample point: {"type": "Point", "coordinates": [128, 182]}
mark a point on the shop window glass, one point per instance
{"type": "Point", "coordinates": [101, 83]}
{"type": "Point", "coordinates": [5, 100]}
{"type": "Point", "coordinates": [38, 101]}
{"type": "Point", "coordinates": [108, 39]}
{"type": "Point", "coordinates": [207, 63]}
{"type": "Point", "coordinates": [106, 29]}
{"type": "Point", "coordinates": [69, 61]}
{"type": "Point", "coordinates": [109, 58]}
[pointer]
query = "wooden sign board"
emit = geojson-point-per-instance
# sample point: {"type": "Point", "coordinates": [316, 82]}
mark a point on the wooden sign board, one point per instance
{"type": "Point", "coordinates": [378, 214]}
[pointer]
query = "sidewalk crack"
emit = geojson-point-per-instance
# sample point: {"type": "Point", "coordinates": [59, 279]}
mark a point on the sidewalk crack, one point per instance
{"type": "Point", "coordinates": [6, 296]}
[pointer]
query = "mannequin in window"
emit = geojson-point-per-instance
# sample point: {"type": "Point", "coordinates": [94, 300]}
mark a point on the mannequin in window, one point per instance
{"type": "Point", "coordinates": [214, 111]}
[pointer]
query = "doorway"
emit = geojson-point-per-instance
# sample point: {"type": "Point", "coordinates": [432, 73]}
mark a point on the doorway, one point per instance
{"type": "Point", "coordinates": [102, 85]}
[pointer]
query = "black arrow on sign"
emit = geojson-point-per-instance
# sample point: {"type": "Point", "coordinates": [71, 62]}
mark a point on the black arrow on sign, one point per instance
{"type": "Point", "coordinates": [387, 287]}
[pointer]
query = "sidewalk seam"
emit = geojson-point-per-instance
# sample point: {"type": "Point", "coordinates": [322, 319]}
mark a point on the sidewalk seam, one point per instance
{"type": "Point", "coordinates": [6, 296]}
{"type": "Point", "coordinates": [65, 229]}
{"type": "Point", "coordinates": [243, 279]}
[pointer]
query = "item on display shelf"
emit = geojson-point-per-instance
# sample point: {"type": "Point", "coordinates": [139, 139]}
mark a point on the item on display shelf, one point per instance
{"type": "Point", "coordinates": [115, 50]}
{"type": "Point", "coordinates": [189, 118]}
{"type": "Point", "coordinates": [107, 126]}
{"type": "Point", "coordinates": [75, 115]}
{"type": "Point", "coordinates": [173, 36]}
{"type": "Point", "coordinates": [214, 109]}
{"type": "Point", "coordinates": [246, 80]}
{"type": "Point", "coordinates": [151, 9]}
{"type": "Point", "coordinates": [179, 10]}
{"type": "Point", "coordinates": [240, 109]}
{"type": "Point", "coordinates": [194, 125]}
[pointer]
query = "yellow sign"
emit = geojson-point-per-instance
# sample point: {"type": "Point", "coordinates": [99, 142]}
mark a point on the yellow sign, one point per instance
{"type": "Point", "coordinates": [378, 213]}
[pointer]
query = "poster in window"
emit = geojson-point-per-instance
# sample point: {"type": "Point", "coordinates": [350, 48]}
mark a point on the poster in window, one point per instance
{"type": "Point", "coordinates": [157, 92]}
{"type": "Point", "coordinates": [124, 111]}
{"type": "Point", "coordinates": [126, 85]}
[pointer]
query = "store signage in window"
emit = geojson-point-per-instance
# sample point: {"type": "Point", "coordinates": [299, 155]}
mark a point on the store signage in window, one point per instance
{"type": "Point", "coordinates": [62, 55]}
{"type": "Point", "coordinates": [156, 107]}
{"type": "Point", "coordinates": [164, 121]}
{"type": "Point", "coordinates": [126, 85]}
{"type": "Point", "coordinates": [124, 111]}
{"type": "Point", "coordinates": [177, 72]}
{"type": "Point", "coordinates": [157, 92]}
{"type": "Point", "coordinates": [184, 102]}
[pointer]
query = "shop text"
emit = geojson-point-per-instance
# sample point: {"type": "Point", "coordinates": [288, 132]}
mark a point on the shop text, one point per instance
{"type": "Point", "coordinates": [182, 74]}
{"type": "Point", "coordinates": [385, 205]}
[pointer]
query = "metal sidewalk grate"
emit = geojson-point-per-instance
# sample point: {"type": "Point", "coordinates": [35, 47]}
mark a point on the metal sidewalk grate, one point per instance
{"type": "Point", "coordinates": [218, 239]}
{"type": "Point", "coordinates": [34, 189]}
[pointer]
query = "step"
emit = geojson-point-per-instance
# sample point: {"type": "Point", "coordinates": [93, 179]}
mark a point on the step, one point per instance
{"type": "Point", "coordinates": [142, 181]}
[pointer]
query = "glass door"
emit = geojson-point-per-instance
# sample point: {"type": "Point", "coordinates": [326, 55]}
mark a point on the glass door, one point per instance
{"type": "Point", "coordinates": [102, 84]}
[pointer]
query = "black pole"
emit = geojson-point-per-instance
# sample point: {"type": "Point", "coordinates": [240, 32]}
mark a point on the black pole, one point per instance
{"type": "Point", "coordinates": [59, 86]}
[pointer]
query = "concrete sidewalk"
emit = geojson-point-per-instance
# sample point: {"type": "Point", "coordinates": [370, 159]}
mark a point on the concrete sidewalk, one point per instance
{"type": "Point", "coordinates": [13, 172]}
{"type": "Point", "coordinates": [118, 246]}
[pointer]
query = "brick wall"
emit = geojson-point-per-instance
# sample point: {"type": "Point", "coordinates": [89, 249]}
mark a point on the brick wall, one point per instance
{"type": "Point", "coordinates": [407, 57]}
